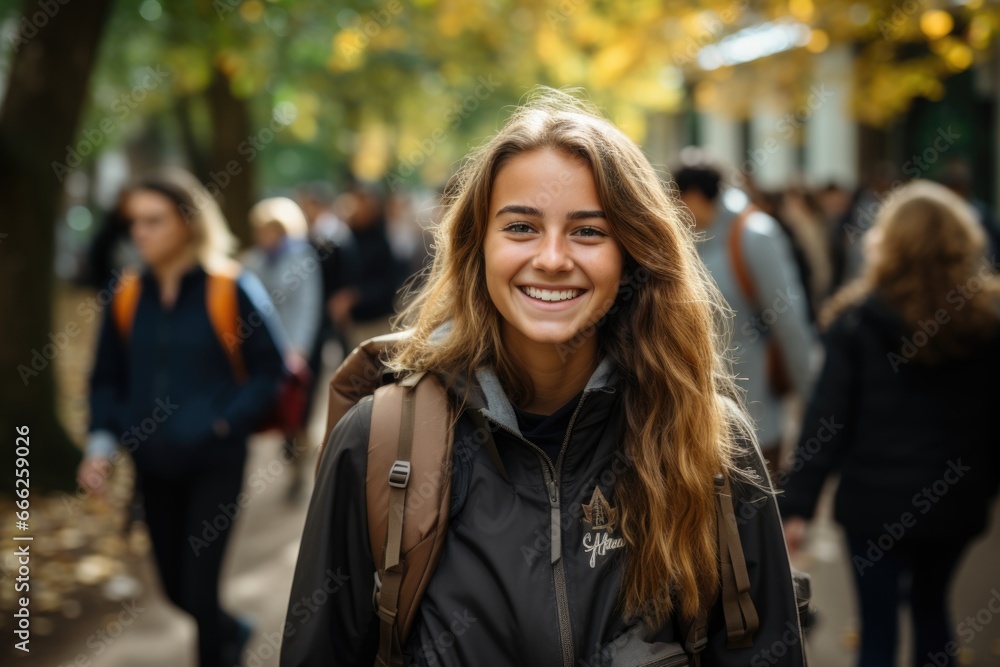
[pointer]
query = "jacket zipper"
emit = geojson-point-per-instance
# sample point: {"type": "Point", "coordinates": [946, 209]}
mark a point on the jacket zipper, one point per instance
{"type": "Point", "coordinates": [551, 478]}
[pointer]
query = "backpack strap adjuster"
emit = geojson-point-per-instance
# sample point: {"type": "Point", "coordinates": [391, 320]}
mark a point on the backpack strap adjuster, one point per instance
{"type": "Point", "coordinates": [399, 474]}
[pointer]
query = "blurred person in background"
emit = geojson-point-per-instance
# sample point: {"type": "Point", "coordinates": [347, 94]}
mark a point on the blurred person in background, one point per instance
{"type": "Point", "coordinates": [904, 410]}
{"type": "Point", "coordinates": [316, 201]}
{"type": "Point", "coordinates": [833, 201]}
{"type": "Point", "coordinates": [957, 177]}
{"type": "Point", "coordinates": [751, 259]}
{"type": "Point", "coordinates": [407, 236]}
{"type": "Point", "coordinates": [846, 236]}
{"type": "Point", "coordinates": [801, 215]}
{"type": "Point", "coordinates": [363, 307]}
{"type": "Point", "coordinates": [796, 227]}
{"type": "Point", "coordinates": [111, 249]}
{"type": "Point", "coordinates": [165, 387]}
{"type": "Point", "coordinates": [288, 266]}
{"type": "Point", "coordinates": [333, 243]}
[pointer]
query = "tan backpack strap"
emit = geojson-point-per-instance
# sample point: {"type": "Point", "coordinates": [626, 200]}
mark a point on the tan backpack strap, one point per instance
{"type": "Point", "coordinates": [392, 569]}
{"type": "Point", "coordinates": [740, 269]}
{"type": "Point", "coordinates": [411, 438]}
{"type": "Point", "coordinates": [741, 617]}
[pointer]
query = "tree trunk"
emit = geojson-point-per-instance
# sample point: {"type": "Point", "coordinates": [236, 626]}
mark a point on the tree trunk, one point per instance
{"type": "Point", "coordinates": [189, 139]}
{"type": "Point", "coordinates": [235, 147]}
{"type": "Point", "coordinates": [38, 122]}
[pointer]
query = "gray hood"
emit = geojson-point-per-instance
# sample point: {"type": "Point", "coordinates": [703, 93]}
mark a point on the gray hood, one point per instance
{"type": "Point", "coordinates": [487, 394]}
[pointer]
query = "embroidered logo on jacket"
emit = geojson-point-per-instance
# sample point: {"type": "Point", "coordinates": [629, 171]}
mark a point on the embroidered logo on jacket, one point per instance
{"type": "Point", "coordinates": [603, 519]}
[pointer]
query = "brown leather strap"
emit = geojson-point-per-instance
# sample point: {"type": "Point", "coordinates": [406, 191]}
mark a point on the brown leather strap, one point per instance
{"type": "Point", "coordinates": [740, 614]}
{"type": "Point", "coordinates": [389, 653]}
{"type": "Point", "coordinates": [737, 260]}
{"type": "Point", "coordinates": [738, 609]}
{"type": "Point", "coordinates": [777, 373]}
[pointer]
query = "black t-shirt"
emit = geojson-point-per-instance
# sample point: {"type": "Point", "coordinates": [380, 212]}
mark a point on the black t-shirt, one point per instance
{"type": "Point", "coordinates": [547, 431]}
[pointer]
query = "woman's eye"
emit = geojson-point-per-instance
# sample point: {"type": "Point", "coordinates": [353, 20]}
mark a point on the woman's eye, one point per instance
{"type": "Point", "coordinates": [518, 228]}
{"type": "Point", "coordinates": [590, 232]}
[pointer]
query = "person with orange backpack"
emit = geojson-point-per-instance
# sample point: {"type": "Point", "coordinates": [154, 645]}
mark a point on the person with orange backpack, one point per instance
{"type": "Point", "coordinates": [187, 366]}
{"type": "Point", "coordinates": [549, 465]}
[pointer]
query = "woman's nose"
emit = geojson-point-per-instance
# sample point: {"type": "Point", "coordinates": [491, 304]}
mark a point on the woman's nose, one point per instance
{"type": "Point", "coordinates": [553, 255]}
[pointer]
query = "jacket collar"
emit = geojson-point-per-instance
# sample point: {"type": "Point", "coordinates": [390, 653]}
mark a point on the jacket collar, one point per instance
{"type": "Point", "coordinates": [498, 407]}
{"type": "Point", "coordinates": [489, 398]}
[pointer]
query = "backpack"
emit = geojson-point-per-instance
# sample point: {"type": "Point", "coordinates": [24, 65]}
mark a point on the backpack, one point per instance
{"type": "Point", "coordinates": [778, 376]}
{"type": "Point", "coordinates": [411, 438]}
{"type": "Point", "coordinates": [222, 304]}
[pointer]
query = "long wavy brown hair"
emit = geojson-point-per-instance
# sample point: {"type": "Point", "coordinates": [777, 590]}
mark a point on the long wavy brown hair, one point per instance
{"type": "Point", "coordinates": [926, 254]}
{"type": "Point", "coordinates": [664, 331]}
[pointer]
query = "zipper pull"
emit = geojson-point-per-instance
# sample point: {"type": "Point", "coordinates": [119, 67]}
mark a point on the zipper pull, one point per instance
{"type": "Point", "coordinates": [555, 528]}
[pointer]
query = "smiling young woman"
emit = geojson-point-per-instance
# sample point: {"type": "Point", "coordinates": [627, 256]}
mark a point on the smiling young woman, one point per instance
{"type": "Point", "coordinates": [578, 334]}
{"type": "Point", "coordinates": [552, 269]}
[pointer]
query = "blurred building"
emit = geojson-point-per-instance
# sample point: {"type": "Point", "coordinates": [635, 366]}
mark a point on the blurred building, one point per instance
{"type": "Point", "coordinates": [766, 103]}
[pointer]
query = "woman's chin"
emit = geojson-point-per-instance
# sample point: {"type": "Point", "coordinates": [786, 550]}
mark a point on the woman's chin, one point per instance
{"type": "Point", "coordinates": [549, 337]}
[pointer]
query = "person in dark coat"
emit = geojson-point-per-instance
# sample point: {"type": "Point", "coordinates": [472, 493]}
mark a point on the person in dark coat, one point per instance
{"type": "Point", "coordinates": [164, 388]}
{"type": "Point", "coordinates": [111, 249]}
{"type": "Point", "coordinates": [364, 306]}
{"type": "Point", "coordinates": [573, 325]}
{"type": "Point", "coordinates": [904, 410]}
{"type": "Point", "coordinates": [957, 177]}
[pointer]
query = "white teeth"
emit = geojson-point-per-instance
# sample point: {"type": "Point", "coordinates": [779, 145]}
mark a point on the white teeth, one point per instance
{"type": "Point", "coordinates": [550, 295]}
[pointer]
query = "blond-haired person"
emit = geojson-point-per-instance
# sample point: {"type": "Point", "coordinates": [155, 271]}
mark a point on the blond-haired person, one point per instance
{"type": "Point", "coordinates": [290, 270]}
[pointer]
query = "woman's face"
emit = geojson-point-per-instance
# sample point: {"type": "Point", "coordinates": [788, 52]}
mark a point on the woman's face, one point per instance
{"type": "Point", "coordinates": [159, 232]}
{"type": "Point", "coordinates": [552, 266]}
{"type": "Point", "coordinates": [269, 235]}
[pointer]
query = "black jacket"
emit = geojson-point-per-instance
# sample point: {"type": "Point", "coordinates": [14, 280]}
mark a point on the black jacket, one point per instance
{"type": "Point", "coordinates": [159, 392]}
{"type": "Point", "coordinates": [379, 274]}
{"type": "Point", "coordinates": [907, 438]}
{"type": "Point", "coordinates": [504, 591]}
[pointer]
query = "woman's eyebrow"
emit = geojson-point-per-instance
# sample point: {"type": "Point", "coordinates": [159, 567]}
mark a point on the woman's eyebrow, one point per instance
{"type": "Point", "coordinates": [520, 210]}
{"type": "Point", "coordinates": [583, 215]}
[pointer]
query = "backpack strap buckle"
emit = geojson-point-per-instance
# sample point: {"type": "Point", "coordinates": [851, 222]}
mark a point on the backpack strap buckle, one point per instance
{"type": "Point", "coordinates": [399, 474]}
